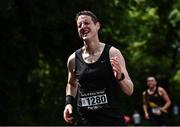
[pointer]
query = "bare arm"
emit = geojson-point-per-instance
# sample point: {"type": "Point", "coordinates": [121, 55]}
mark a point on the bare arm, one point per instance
{"type": "Point", "coordinates": [71, 88]}
{"type": "Point", "coordinates": [119, 67]}
{"type": "Point", "coordinates": [166, 98]}
{"type": "Point", "coordinates": [146, 114]}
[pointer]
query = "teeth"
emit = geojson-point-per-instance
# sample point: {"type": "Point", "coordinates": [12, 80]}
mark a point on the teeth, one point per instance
{"type": "Point", "coordinates": [85, 32]}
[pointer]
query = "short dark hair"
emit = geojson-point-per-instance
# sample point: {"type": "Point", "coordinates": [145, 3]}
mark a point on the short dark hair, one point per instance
{"type": "Point", "coordinates": [89, 13]}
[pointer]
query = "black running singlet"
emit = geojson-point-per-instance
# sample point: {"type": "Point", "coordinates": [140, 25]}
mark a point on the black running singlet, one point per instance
{"type": "Point", "coordinates": [98, 99]}
{"type": "Point", "coordinates": [154, 101]}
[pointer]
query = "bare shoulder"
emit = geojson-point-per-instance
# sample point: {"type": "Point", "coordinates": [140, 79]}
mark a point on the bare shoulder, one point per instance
{"type": "Point", "coordinates": [161, 90]}
{"type": "Point", "coordinates": [114, 52]}
{"type": "Point", "coordinates": [71, 62]}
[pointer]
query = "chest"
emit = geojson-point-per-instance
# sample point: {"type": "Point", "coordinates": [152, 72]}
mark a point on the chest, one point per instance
{"type": "Point", "coordinates": [91, 58]}
{"type": "Point", "coordinates": [95, 75]}
{"type": "Point", "coordinates": [155, 98]}
{"type": "Point", "coordinates": [98, 71]}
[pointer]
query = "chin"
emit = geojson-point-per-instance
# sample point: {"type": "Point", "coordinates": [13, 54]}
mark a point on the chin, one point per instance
{"type": "Point", "coordinates": [85, 38]}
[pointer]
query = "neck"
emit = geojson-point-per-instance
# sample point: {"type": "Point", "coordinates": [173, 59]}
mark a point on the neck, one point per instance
{"type": "Point", "coordinates": [152, 89]}
{"type": "Point", "coordinates": [92, 47]}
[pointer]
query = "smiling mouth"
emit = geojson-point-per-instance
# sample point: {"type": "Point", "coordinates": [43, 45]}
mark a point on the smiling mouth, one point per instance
{"type": "Point", "coordinates": [84, 34]}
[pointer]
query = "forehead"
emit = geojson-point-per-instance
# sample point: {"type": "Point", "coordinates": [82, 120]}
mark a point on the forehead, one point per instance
{"type": "Point", "coordinates": [83, 18]}
{"type": "Point", "coordinates": [151, 79]}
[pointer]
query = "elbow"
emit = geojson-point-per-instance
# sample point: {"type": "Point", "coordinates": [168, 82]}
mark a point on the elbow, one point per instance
{"type": "Point", "coordinates": [127, 88]}
{"type": "Point", "coordinates": [130, 92]}
{"type": "Point", "coordinates": [168, 102]}
{"type": "Point", "coordinates": [131, 89]}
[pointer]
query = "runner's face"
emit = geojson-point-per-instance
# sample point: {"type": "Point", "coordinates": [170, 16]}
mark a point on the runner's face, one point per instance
{"type": "Point", "coordinates": [151, 82]}
{"type": "Point", "coordinates": [87, 29]}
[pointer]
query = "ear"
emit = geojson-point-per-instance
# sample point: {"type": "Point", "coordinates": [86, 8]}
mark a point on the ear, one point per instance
{"type": "Point", "coordinates": [98, 25]}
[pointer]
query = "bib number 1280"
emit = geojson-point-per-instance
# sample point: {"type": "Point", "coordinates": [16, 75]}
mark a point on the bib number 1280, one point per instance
{"type": "Point", "coordinates": [94, 100]}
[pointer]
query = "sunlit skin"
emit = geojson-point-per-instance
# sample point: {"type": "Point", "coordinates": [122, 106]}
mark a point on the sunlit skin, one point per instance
{"type": "Point", "coordinates": [151, 83]}
{"type": "Point", "coordinates": [87, 29]}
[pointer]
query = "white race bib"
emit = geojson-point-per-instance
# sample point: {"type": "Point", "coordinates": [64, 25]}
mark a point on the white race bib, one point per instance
{"type": "Point", "coordinates": [156, 110]}
{"type": "Point", "coordinates": [94, 100]}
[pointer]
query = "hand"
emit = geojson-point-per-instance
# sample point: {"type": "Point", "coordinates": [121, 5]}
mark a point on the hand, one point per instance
{"type": "Point", "coordinates": [68, 114]}
{"type": "Point", "coordinates": [146, 116]}
{"type": "Point", "coordinates": [163, 110]}
{"type": "Point", "coordinates": [116, 66]}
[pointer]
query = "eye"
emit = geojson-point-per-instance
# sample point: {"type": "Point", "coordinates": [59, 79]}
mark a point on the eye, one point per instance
{"type": "Point", "coordinates": [86, 23]}
{"type": "Point", "coordinates": [79, 25]}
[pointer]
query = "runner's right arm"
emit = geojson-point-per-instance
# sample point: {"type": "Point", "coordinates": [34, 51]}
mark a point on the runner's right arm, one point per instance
{"type": "Point", "coordinates": [146, 114]}
{"type": "Point", "coordinates": [71, 88]}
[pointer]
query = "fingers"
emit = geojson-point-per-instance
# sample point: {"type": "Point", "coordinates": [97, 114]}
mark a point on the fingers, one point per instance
{"type": "Point", "coordinates": [114, 61]}
{"type": "Point", "coordinates": [68, 117]}
{"type": "Point", "coordinates": [69, 120]}
{"type": "Point", "coordinates": [116, 66]}
{"type": "Point", "coordinates": [68, 114]}
{"type": "Point", "coordinates": [146, 116]}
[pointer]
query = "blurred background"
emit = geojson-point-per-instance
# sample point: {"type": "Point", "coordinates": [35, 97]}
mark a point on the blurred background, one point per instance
{"type": "Point", "coordinates": [37, 37]}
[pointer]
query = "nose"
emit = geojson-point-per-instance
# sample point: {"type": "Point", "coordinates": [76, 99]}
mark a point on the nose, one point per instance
{"type": "Point", "coordinates": [83, 25]}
